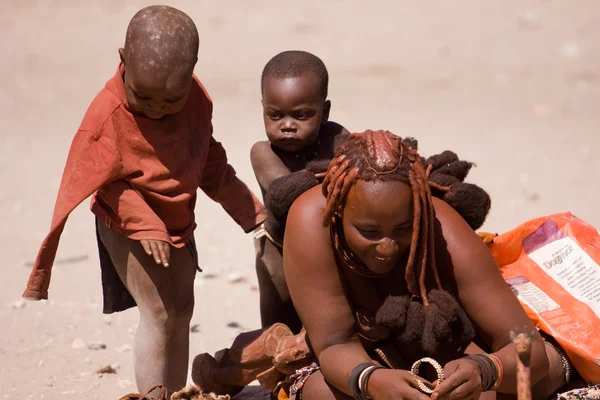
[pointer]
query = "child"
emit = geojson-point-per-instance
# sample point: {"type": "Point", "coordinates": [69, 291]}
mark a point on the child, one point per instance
{"type": "Point", "coordinates": [296, 115]}
{"type": "Point", "coordinates": [144, 147]}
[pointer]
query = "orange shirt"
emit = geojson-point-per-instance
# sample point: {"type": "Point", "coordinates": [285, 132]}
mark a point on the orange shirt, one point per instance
{"type": "Point", "coordinates": [144, 174]}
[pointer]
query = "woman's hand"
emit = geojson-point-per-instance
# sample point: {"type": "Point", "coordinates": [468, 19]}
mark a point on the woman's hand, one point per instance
{"type": "Point", "coordinates": [463, 381]}
{"type": "Point", "coordinates": [159, 250]}
{"type": "Point", "coordinates": [394, 384]}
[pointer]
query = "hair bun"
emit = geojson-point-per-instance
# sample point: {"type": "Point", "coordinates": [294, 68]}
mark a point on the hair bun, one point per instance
{"type": "Point", "coordinates": [443, 180]}
{"type": "Point", "coordinates": [448, 163]}
{"type": "Point", "coordinates": [470, 201]}
{"type": "Point", "coordinates": [439, 160]}
{"type": "Point", "coordinates": [317, 166]}
{"type": "Point", "coordinates": [286, 189]}
{"type": "Point", "coordinates": [392, 312]}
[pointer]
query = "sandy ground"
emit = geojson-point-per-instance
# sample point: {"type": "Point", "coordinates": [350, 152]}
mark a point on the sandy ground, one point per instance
{"type": "Point", "coordinates": [513, 85]}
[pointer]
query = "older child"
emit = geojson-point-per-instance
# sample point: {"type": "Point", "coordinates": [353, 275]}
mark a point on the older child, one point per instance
{"type": "Point", "coordinates": [144, 147]}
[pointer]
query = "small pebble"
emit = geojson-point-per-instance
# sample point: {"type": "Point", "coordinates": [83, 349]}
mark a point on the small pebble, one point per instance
{"type": "Point", "coordinates": [443, 52]}
{"type": "Point", "coordinates": [106, 370]}
{"type": "Point", "coordinates": [235, 277]}
{"type": "Point", "coordinates": [233, 325]}
{"type": "Point", "coordinates": [541, 110]}
{"type": "Point", "coordinates": [524, 178]}
{"type": "Point", "coordinates": [533, 197]}
{"type": "Point", "coordinates": [78, 344]}
{"type": "Point", "coordinates": [584, 151]}
{"type": "Point", "coordinates": [529, 20]}
{"type": "Point", "coordinates": [195, 328]}
{"type": "Point", "coordinates": [97, 346]}
{"type": "Point", "coordinates": [17, 304]}
{"type": "Point", "coordinates": [124, 348]}
{"type": "Point", "coordinates": [124, 383]}
{"type": "Point", "coordinates": [571, 49]}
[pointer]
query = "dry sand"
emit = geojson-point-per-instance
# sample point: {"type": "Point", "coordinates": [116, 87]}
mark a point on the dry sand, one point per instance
{"type": "Point", "coordinates": [512, 85]}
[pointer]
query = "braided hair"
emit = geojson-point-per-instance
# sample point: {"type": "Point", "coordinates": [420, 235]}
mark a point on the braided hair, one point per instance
{"type": "Point", "coordinates": [426, 315]}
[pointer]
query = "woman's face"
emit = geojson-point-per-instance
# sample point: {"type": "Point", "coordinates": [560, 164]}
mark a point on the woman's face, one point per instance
{"type": "Point", "coordinates": [378, 221]}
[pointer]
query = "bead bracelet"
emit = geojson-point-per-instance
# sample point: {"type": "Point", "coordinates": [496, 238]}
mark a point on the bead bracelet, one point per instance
{"type": "Point", "coordinates": [414, 370]}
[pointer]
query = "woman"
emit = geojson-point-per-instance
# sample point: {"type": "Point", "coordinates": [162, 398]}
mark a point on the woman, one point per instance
{"type": "Point", "coordinates": [378, 268]}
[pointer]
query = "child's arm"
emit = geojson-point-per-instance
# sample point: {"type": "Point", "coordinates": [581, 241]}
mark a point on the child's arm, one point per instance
{"type": "Point", "coordinates": [221, 184]}
{"type": "Point", "coordinates": [266, 165]}
{"type": "Point", "coordinates": [92, 162]}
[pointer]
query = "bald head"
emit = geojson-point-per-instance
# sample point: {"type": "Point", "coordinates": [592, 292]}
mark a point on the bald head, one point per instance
{"type": "Point", "coordinates": [162, 39]}
{"type": "Point", "coordinates": [161, 50]}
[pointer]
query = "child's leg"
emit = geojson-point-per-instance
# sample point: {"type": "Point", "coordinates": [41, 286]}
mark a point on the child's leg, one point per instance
{"type": "Point", "coordinates": [275, 302]}
{"type": "Point", "coordinates": [165, 300]}
{"type": "Point", "coordinates": [179, 341]}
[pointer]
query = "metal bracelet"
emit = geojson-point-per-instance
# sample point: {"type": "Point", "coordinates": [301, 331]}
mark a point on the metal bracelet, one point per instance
{"type": "Point", "coordinates": [414, 370]}
{"type": "Point", "coordinates": [354, 380]}
{"type": "Point", "coordinates": [568, 368]}
{"type": "Point", "coordinates": [261, 232]}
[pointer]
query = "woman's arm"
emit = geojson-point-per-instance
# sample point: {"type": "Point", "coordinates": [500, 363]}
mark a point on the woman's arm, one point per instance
{"type": "Point", "coordinates": [486, 298]}
{"type": "Point", "coordinates": [317, 291]}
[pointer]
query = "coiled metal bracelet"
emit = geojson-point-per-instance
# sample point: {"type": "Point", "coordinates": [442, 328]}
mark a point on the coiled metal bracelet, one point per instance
{"type": "Point", "coordinates": [414, 370]}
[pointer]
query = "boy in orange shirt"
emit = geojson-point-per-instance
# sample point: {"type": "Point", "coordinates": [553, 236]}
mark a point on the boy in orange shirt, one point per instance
{"type": "Point", "coordinates": [144, 147]}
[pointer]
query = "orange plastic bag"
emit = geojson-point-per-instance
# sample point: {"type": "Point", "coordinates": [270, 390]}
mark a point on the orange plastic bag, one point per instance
{"type": "Point", "coordinates": [552, 265]}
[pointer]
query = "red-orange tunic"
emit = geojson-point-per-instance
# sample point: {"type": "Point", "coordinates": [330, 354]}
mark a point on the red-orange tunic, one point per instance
{"type": "Point", "coordinates": [144, 175]}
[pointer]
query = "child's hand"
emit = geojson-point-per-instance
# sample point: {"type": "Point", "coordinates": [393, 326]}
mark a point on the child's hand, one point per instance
{"type": "Point", "coordinates": [158, 249]}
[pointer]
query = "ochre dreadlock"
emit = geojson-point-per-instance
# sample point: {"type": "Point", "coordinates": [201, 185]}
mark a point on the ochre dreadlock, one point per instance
{"type": "Point", "coordinates": [429, 316]}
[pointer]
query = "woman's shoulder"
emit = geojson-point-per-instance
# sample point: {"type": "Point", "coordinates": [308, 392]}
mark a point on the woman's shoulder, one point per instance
{"type": "Point", "coordinates": [449, 218]}
{"type": "Point", "coordinates": [305, 218]}
{"type": "Point", "coordinates": [309, 205]}
{"type": "Point", "coordinates": [465, 249]}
